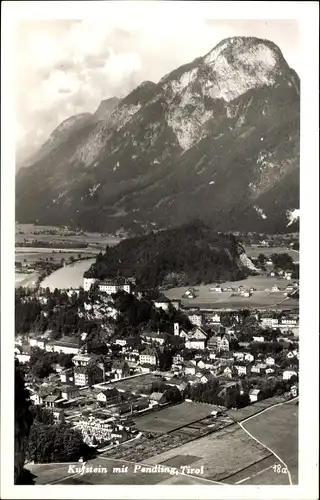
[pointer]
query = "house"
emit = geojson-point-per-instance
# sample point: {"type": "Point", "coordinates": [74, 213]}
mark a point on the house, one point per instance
{"type": "Point", "coordinates": [216, 318]}
{"type": "Point", "coordinates": [87, 283]}
{"type": "Point", "coordinates": [275, 288]}
{"type": "Point", "coordinates": [294, 391]}
{"type": "Point", "coordinates": [249, 357]}
{"type": "Point", "coordinates": [82, 359]}
{"type": "Point", "coordinates": [149, 356]}
{"type": "Point", "coordinates": [108, 396]}
{"type": "Point", "coordinates": [204, 379]}
{"type": "Point", "coordinates": [255, 395]}
{"type": "Point", "coordinates": [195, 319]}
{"type": "Point", "coordinates": [258, 338]}
{"type": "Point", "coordinates": [36, 398]}
{"type": "Point", "coordinates": [121, 342]}
{"type": "Point", "coordinates": [88, 375]}
{"type": "Point", "coordinates": [243, 369]}
{"type": "Point", "coordinates": [69, 392]}
{"type": "Point", "coordinates": [177, 359]}
{"type": "Point", "coordinates": [291, 355]}
{"type": "Point", "coordinates": [189, 368]}
{"type": "Point", "coordinates": [162, 303]}
{"type": "Point", "coordinates": [258, 368]}
{"type": "Point", "coordinates": [52, 401]}
{"type": "Point", "coordinates": [157, 337]}
{"type": "Point", "coordinates": [244, 344]}
{"type": "Point", "coordinates": [224, 344]}
{"type": "Point", "coordinates": [216, 288]}
{"type": "Point", "coordinates": [269, 322]}
{"type": "Point", "coordinates": [190, 293]}
{"type": "Point", "coordinates": [217, 411]}
{"type": "Point", "coordinates": [180, 332]}
{"type": "Point", "coordinates": [245, 293]}
{"type": "Point", "coordinates": [269, 371]}
{"type": "Point", "coordinates": [58, 415]}
{"type": "Point", "coordinates": [288, 275]}
{"type": "Point", "coordinates": [67, 376]}
{"type": "Point", "coordinates": [178, 383]}
{"type": "Point", "coordinates": [158, 398]}
{"type": "Point", "coordinates": [287, 374]}
{"type": "Point", "coordinates": [270, 361]}
{"type": "Point", "coordinates": [197, 339]}
{"type": "Point", "coordinates": [238, 355]}
{"type": "Point", "coordinates": [22, 353]}
{"type": "Point", "coordinates": [227, 372]}
{"type": "Point", "coordinates": [67, 345]}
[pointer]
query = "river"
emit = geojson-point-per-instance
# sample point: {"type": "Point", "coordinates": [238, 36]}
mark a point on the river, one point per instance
{"type": "Point", "coordinates": [68, 277]}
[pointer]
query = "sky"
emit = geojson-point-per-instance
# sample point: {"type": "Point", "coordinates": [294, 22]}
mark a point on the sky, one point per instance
{"type": "Point", "coordinates": [64, 67]}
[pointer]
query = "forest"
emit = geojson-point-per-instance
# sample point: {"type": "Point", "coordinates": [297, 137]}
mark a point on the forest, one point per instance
{"type": "Point", "coordinates": [186, 255]}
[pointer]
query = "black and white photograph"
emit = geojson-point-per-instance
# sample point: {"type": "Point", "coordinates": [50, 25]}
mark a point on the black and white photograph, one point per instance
{"type": "Point", "coordinates": [155, 331]}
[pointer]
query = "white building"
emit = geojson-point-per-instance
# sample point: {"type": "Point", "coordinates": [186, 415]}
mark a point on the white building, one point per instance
{"type": "Point", "coordinates": [195, 319]}
{"type": "Point", "coordinates": [111, 286]}
{"type": "Point", "coordinates": [270, 361]}
{"type": "Point", "coordinates": [87, 283]}
{"type": "Point", "coordinates": [258, 339]}
{"type": "Point", "coordinates": [148, 357]}
{"type": "Point", "coordinates": [254, 395]}
{"type": "Point", "coordinates": [287, 374]}
{"type": "Point", "coordinates": [269, 322]}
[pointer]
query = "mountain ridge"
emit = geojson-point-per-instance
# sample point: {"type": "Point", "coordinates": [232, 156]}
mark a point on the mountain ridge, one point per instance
{"type": "Point", "coordinates": [217, 139]}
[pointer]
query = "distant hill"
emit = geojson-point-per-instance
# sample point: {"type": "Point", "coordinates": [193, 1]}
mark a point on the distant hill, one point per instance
{"type": "Point", "coordinates": [187, 255]}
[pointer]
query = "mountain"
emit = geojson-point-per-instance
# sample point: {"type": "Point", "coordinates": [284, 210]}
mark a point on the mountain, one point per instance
{"type": "Point", "coordinates": [186, 255]}
{"type": "Point", "coordinates": [215, 139]}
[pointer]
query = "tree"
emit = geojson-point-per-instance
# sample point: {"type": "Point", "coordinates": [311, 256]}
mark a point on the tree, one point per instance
{"type": "Point", "coordinates": [54, 443]}
{"type": "Point", "coordinates": [242, 400]}
{"type": "Point", "coordinates": [23, 422]}
{"type": "Point", "coordinates": [261, 259]}
{"type": "Point", "coordinates": [173, 394]}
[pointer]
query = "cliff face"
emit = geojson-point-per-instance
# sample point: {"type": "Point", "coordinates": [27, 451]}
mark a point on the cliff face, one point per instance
{"type": "Point", "coordinates": [216, 139]}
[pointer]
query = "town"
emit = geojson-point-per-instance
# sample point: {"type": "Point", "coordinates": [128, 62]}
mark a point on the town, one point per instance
{"type": "Point", "coordinates": [136, 373]}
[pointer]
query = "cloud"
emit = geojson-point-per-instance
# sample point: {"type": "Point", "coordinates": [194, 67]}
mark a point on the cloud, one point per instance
{"type": "Point", "coordinates": [66, 67]}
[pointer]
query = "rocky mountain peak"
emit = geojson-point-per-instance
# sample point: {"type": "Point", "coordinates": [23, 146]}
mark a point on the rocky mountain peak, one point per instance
{"type": "Point", "coordinates": [217, 139]}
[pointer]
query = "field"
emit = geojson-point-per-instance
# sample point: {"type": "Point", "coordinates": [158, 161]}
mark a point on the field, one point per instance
{"type": "Point", "coordinates": [222, 453]}
{"type": "Point", "coordinates": [168, 419]}
{"type": "Point", "coordinates": [26, 280]}
{"type": "Point", "coordinates": [27, 232]}
{"type": "Point", "coordinates": [277, 428]}
{"type": "Point", "coordinates": [248, 411]}
{"type": "Point", "coordinates": [135, 385]}
{"type": "Point", "coordinates": [254, 252]}
{"type": "Point", "coordinates": [260, 298]}
{"type": "Point", "coordinates": [230, 455]}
